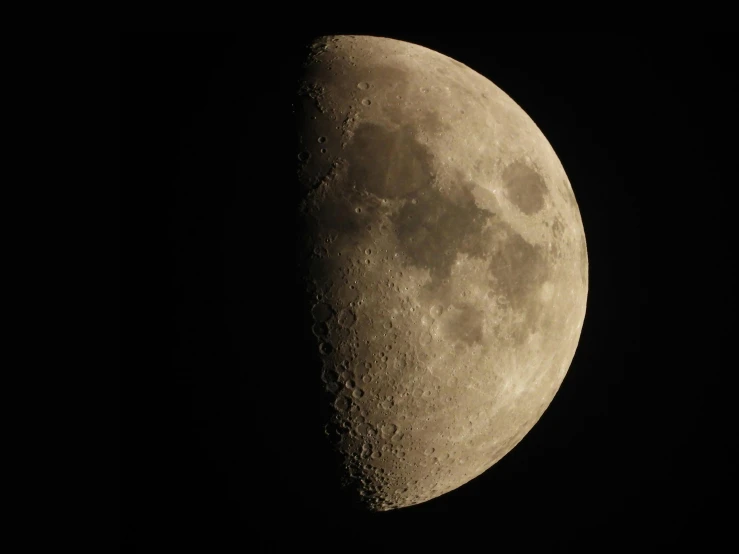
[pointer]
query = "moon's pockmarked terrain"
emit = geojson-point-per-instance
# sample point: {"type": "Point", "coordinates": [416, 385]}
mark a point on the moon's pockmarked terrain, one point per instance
{"type": "Point", "coordinates": [445, 261]}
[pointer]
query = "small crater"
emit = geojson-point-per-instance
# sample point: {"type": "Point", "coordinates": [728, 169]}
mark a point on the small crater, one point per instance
{"type": "Point", "coordinates": [437, 310]}
{"type": "Point", "coordinates": [320, 330]}
{"type": "Point", "coordinates": [388, 430]}
{"type": "Point", "coordinates": [346, 318]}
{"type": "Point", "coordinates": [325, 348]}
{"type": "Point", "coordinates": [364, 85]}
{"type": "Point", "coordinates": [342, 404]}
{"type": "Point", "coordinates": [322, 312]}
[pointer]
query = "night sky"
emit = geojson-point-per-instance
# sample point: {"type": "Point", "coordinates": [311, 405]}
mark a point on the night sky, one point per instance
{"type": "Point", "coordinates": [220, 446]}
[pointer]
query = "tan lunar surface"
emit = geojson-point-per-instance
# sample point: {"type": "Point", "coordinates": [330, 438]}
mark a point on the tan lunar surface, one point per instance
{"type": "Point", "coordinates": [445, 259]}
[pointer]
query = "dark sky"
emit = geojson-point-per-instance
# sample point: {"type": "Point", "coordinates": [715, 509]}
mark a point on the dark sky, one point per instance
{"type": "Point", "coordinates": [217, 450]}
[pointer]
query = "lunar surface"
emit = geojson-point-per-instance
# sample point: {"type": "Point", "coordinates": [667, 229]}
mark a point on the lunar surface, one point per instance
{"type": "Point", "coordinates": [444, 260]}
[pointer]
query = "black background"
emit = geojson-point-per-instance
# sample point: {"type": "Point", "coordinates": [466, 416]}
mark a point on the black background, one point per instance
{"type": "Point", "coordinates": [220, 451]}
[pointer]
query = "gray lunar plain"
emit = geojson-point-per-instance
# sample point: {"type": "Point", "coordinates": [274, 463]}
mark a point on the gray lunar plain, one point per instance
{"type": "Point", "coordinates": [445, 259]}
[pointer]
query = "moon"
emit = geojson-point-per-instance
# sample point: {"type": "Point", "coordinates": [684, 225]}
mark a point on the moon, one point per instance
{"type": "Point", "coordinates": [444, 261]}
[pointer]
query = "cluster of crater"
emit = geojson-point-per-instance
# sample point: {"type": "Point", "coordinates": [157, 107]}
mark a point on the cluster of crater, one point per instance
{"type": "Point", "coordinates": [440, 283]}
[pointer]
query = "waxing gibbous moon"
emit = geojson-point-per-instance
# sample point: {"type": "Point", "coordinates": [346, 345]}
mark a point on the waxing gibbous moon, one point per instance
{"type": "Point", "coordinates": [444, 259]}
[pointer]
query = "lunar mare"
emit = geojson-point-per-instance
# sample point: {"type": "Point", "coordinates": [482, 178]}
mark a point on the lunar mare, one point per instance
{"type": "Point", "coordinates": [445, 260]}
